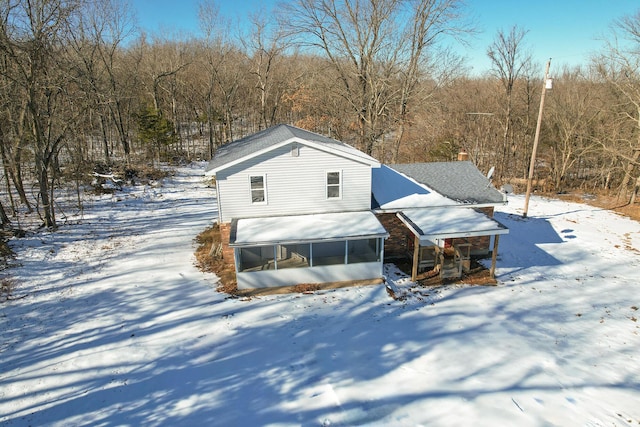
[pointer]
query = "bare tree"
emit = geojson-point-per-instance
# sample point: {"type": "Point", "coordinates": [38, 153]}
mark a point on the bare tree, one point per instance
{"type": "Point", "coordinates": [313, 98]}
{"type": "Point", "coordinates": [85, 42]}
{"type": "Point", "coordinates": [574, 109]}
{"type": "Point", "coordinates": [32, 36]}
{"type": "Point", "coordinates": [619, 65]}
{"type": "Point", "coordinates": [379, 50]}
{"type": "Point", "coordinates": [163, 59]}
{"type": "Point", "coordinates": [111, 24]}
{"type": "Point", "coordinates": [469, 113]}
{"type": "Point", "coordinates": [266, 46]}
{"type": "Point", "coordinates": [419, 57]}
{"type": "Point", "coordinates": [358, 38]}
{"type": "Point", "coordinates": [12, 131]}
{"type": "Point", "coordinates": [222, 68]}
{"type": "Point", "coordinates": [509, 59]}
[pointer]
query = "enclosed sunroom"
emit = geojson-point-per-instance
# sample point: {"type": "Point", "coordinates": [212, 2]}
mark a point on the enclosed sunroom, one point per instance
{"type": "Point", "coordinates": [321, 248]}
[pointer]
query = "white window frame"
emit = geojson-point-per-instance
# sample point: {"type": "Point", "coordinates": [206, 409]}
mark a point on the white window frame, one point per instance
{"type": "Point", "coordinates": [327, 185]}
{"type": "Point", "coordinates": [264, 189]}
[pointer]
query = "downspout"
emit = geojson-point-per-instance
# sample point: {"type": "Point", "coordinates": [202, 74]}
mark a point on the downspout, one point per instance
{"type": "Point", "coordinates": [218, 203]}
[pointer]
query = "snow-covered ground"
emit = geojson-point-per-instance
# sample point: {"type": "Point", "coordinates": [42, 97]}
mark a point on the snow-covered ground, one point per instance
{"type": "Point", "coordinates": [111, 324]}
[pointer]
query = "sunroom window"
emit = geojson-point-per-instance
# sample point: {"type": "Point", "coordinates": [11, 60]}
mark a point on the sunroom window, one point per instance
{"type": "Point", "coordinates": [328, 253]}
{"type": "Point", "coordinates": [367, 250]}
{"type": "Point", "coordinates": [274, 257]}
{"type": "Point", "coordinates": [305, 255]}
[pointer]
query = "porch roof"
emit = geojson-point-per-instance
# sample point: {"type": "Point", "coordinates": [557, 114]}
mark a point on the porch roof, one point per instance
{"type": "Point", "coordinates": [305, 228]}
{"type": "Point", "coordinates": [451, 222]}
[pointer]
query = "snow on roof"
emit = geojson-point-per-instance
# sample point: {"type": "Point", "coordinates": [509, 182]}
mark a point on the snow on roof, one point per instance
{"type": "Point", "coordinates": [272, 137]}
{"type": "Point", "coordinates": [393, 190]}
{"type": "Point", "coordinates": [459, 180]}
{"type": "Point", "coordinates": [442, 223]}
{"type": "Point", "coordinates": [306, 228]}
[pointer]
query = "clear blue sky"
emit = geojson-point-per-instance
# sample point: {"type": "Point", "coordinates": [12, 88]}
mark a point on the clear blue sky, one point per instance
{"type": "Point", "coordinates": [565, 30]}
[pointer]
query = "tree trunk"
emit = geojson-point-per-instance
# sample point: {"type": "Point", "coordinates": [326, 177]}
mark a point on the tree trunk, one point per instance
{"type": "Point", "coordinates": [4, 219]}
{"type": "Point", "coordinates": [105, 140]}
{"type": "Point", "coordinates": [635, 191]}
{"type": "Point", "coordinates": [49, 220]}
{"type": "Point", "coordinates": [12, 170]}
{"type": "Point", "coordinates": [117, 115]}
{"type": "Point", "coordinates": [627, 172]}
{"type": "Point", "coordinates": [399, 135]}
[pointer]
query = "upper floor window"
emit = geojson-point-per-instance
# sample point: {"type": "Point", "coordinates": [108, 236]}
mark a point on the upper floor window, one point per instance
{"type": "Point", "coordinates": [258, 189]}
{"type": "Point", "coordinates": [334, 180]}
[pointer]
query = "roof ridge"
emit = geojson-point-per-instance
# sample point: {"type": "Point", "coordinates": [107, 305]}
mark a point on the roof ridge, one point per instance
{"type": "Point", "coordinates": [264, 139]}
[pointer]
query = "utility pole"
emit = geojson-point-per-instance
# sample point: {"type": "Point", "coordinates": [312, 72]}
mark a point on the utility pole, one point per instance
{"type": "Point", "coordinates": [546, 84]}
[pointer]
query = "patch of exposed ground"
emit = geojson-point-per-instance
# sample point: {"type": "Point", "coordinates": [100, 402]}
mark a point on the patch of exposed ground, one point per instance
{"type": "Point", "coordinates": [209, 259]}
{"type": "Point", "coordinates": [612, 203]}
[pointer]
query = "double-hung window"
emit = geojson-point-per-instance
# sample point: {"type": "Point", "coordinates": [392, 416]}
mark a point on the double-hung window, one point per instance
{"type": "Point", "coordinates": [258, 188]}
{"type": "Point", "coordinates": [334, 185]}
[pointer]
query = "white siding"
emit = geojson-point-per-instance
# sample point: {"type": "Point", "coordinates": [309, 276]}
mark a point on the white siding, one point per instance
{"type": "Point", "coordinates": [295, 276]}
{"type": "Point", "coordinates": [295, 184]}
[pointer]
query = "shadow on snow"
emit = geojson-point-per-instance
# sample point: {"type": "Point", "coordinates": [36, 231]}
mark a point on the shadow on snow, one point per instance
{"type": "Point", "coordinates": [172, 351]}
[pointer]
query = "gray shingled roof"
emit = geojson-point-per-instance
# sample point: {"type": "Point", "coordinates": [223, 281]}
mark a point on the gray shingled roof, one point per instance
{"type": "Point", "coordinates": [460, 181]}
{"type": "Point", "coordinates": [266, 138]}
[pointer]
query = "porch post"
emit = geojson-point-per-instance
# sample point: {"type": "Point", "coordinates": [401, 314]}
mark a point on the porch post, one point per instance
{"type": "Point", "coordinates": [416, 256]}
{"type": "Point", "coordinates": [494, 255]}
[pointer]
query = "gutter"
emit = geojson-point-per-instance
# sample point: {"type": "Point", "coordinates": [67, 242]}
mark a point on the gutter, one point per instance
{"type": "Point", "coordinates": [294, 242]}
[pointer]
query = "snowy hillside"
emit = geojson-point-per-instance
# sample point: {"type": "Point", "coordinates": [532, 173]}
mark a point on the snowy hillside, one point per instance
{"type": "Point", "coordinates": [111, 324]}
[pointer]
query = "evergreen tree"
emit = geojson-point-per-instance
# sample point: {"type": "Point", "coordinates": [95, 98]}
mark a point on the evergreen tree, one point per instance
{"type": "Point", "coordinates": [155, 131]}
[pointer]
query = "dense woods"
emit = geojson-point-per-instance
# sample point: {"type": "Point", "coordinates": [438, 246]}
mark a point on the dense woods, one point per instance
{"type": "Point", "coordinates": [85, 91]}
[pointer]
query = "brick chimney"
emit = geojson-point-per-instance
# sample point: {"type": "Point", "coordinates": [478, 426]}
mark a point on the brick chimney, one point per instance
{"type": "Point", "coordinates": [463, 155]}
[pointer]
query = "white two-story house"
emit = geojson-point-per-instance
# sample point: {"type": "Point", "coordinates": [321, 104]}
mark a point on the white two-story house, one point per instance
{"type": "Point", "coordinates": [295, 207]}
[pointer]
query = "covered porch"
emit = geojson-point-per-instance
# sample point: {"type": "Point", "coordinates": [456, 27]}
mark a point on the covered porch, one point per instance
{"type": "Point", "coordinates": [441, 238]}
